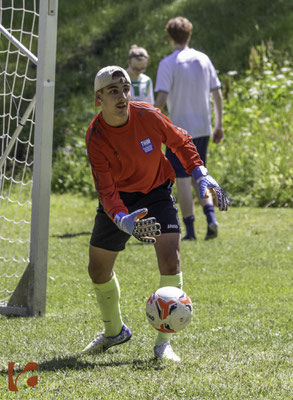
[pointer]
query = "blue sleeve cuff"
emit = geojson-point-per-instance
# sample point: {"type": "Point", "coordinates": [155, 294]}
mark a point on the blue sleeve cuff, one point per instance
{"type": "Point", "coordinates": [198, 172]}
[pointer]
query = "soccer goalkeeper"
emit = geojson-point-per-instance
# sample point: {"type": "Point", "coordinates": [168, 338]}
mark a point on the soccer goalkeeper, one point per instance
{"type": "Point", "coordinates": [134, 182]}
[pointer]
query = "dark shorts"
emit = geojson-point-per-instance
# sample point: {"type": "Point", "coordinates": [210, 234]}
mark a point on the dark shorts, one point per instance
{"type": "Point", "coordinates": [160, 204]}
{"type": "Point", "coordinates": [201, 144]}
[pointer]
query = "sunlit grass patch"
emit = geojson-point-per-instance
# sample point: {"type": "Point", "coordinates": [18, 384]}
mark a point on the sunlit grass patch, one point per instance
{"type": "Point", "coordinates": [237, 346]}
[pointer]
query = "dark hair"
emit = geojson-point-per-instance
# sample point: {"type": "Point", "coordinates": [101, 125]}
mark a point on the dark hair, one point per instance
{"type": "Point", "coordinates": [179, 29]}
{"type": "Point", "coordinates": [117, 74]}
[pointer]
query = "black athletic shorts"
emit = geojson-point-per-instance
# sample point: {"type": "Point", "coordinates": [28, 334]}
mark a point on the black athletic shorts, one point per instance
{"type": "Point", "coordinates": [201, 144]}
{"type": "Point", "coordinates": [160, 204]}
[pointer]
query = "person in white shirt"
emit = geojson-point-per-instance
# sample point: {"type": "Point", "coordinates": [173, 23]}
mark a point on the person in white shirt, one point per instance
{"type": "Point", "coordinates": [141, 84]}
{"type": "Point", "coordinates": [185, 80]}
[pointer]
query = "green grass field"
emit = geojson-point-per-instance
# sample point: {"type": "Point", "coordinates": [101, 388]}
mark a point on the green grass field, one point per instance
{"type": "Point", "coordinates": [239, 344]}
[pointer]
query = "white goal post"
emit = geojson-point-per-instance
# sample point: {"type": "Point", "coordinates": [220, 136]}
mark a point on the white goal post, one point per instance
{"type": "Point", "coordinates": [28, 33]}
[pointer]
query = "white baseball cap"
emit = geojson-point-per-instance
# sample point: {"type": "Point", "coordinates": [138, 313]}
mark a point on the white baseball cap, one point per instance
{"type": "Point", "coordinates": [105, 77]}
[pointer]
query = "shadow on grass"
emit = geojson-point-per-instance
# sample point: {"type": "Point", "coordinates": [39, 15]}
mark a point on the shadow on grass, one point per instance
{"type": "Point", "coordinates": [77, 363]}
{"type": "Point", "coordinates": [70, 235]}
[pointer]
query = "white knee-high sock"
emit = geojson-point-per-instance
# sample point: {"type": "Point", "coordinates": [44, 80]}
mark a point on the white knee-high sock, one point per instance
{"type": "Point", "coordinates": [168, 280]}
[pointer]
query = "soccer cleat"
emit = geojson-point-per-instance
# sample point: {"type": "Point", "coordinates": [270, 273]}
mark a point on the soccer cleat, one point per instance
{"type": "Point", "coordinates": [212, 231]}
{"type": "Point", "coordinates": [165, 352]}
{"type": "Point", "coordinates": [102, 343]}
{"type": "Point", "coordinates": [190, 238]}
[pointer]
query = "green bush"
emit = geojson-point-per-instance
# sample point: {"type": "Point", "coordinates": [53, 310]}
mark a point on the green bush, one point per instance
{"type": "Point", "coordinates": [254, 163]}
{"type": "Point", "coordinates": [71, 168]}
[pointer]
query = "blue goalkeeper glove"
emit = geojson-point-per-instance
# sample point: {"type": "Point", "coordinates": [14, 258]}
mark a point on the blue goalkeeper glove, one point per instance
{"type": "Point", "coordinates": [143, 229]}
{"type": "Point", "coordinates": [206, 182]}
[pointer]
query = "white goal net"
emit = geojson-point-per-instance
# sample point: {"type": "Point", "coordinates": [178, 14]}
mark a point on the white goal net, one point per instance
{"type": "Point", "coordinates": [27, 74]}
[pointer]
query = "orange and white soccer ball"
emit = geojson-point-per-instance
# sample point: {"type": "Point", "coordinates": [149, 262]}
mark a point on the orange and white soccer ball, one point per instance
{"type": "Point", "coordinates": [169, 309]}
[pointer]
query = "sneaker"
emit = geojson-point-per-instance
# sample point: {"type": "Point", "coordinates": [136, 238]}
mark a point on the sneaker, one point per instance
{"type": "Point", "coordinates": [165, 352]}
{"type": "Point", "coordinates": [191, 238]}
{"type": "Point", "coordinates": [212, 231]}
{"type": "Point", "coordinates": [102, 343]}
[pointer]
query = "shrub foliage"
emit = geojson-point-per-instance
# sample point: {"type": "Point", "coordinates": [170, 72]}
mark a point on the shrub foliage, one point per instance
{"type": "Point", "coordinates": [254, 163]}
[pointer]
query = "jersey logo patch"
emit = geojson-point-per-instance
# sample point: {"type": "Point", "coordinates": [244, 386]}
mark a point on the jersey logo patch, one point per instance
{"type": "Point", "coordinates": [147, 145]}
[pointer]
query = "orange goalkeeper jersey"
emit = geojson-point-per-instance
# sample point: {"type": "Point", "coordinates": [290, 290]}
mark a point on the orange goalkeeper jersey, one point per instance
{"type": "Point", "coordinates": [129, 158]}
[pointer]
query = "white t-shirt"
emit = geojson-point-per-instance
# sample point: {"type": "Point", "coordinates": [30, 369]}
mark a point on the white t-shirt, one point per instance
{"type": "Point", "coordinates": [188, 76]}
{"type": "Point", "coordinates": [142, 89]}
